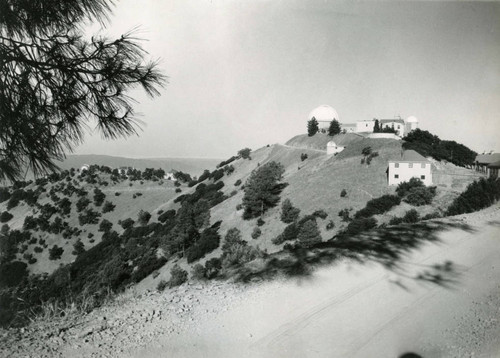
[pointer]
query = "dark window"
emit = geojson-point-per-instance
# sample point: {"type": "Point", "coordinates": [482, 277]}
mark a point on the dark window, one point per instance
{"type": "Point", "coordinates": [410, 165]}
{"type": "Point", "coordinates": [396, 176]}
{"type": "Point", "coordinates": [422, 177]}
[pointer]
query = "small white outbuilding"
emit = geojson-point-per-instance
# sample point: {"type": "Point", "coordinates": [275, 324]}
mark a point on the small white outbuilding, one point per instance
{"type": "Point", "coordinates": [333, 148]}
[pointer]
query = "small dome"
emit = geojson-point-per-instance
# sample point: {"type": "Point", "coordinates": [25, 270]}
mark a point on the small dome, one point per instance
{"type": "Point", "coordinates": [411, 119]}
{"type": "Point", "coordinates": [324, 113]}
{"type": "Point", "coordinates": [331, 144]}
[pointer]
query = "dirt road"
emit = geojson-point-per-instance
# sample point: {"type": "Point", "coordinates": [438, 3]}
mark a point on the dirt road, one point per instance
{"type": "Point", "coordinates": [354, 310]}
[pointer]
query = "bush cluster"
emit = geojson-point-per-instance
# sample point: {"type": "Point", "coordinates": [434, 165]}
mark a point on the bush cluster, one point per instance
{"type": "Point", "coordinates": [478, 195]}
{"type": "Point", "coordinates": [378, 206]}
{"type": "Point", "coordinates": [289, 213]}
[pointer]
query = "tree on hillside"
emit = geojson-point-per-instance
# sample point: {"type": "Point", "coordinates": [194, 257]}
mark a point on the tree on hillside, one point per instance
{"type": "Point", "coordinates": [312, 127]}
{"type": "Point", "coordinates": [245, 153]}
{"type": "Point", "coordinates": [334, 128]}
{"type": "Point", "coordinates": [262, 189]}
{"type": "Point", "coordinates": [55, 81]}
{"type": "Point", "coordinates": [376, 127]}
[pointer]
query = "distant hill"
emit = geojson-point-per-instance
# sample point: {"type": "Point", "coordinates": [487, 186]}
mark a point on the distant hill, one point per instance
{"type": "Point", "coordinates": [193, 166]}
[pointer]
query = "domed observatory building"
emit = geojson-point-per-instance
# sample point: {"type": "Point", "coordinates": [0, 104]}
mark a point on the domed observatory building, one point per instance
{"type": "Point", "coordinates": [324, 114]}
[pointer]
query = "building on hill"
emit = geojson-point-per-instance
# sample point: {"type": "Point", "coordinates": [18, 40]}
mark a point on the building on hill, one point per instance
{"type": "Point", "coordinates": [84, 167]}
{"type": "Point", "coordinates": [410, 165]}
{"type": "Point", "coordinates": [333, 148]}
{"type": "Point", "coordinates": [483, 162]}
{"type": "Point", "coordinates": [493, 170]}
{"type": "Point", "coordinates": [325, 114]}
{"type": "Point", "coordinates": [124, 170]}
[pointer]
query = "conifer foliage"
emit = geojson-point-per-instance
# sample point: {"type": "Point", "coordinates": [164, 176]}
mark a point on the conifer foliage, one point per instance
{"type": "Point", "coordinates": [262, 189]}
{"type": "Point", "coordinates": [312, 127]}
{"type": "Point", "coordinates": [56, 81]}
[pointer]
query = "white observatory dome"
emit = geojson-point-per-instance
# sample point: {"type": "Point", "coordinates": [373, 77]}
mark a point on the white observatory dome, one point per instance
{"type": "Point", "coordinates": [411, 119]}
{"type": "Point", "coordinates": [324, 113]}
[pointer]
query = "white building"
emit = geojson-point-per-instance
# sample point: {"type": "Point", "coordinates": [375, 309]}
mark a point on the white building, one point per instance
{"type": "Point", "coordinates": [325, 114]}
{"type": "Point", "coordinates": [411, 165]}
{"type": "Point", "coordinates": [333, 148]}
{"type": "Point", "coordinates": [84, 167]}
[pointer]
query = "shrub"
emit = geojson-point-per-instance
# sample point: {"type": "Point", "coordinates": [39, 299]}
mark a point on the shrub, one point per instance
{"type": "Point", "coordinates": [378, 206]}
{"type": "Point", "coordinates": [288, 212]}
{"type": "Point", "coordinates": [38, 249]}
{"type": "Point", "coordinates": [5, 216]}
{"type": "Point", "coordinates": [303, 156]}
{"type": "Point", "coordinates": [478, 195]}
{"type": "Point", "coordinates": [420, 196]}
{"type": "Point", "coordinates": [237, 182]}
{"type": "Point", "coordinates": [320, 214]}
{"type": "Point", "coordinates": [434, 215]}
{"type": "Point", "coordinates": [208, 241]}
{"type": "Point", "coordinates": [309, 234]}
{"type": "Point", "coordinates": [260, 222]}
{"type": "Point", "coordinates": [359, 225]}
{"type": "Point", "coordinates": [108, 207]}
{"type": "Point", "coordinates": [343, 193]}
{"type": "Point", "coordinates": [4, 194]}
{"type": "Point", "coordinates": [127, 223]}
{"type": "Point", "coordinates": [12, 273]}
{"type": "Point", "coordinates": [82, 203]}
{"type": "Point", "coordinates": [345, 214]}
{"type": "Point", "coordinates": [178, 190]}
{"type": "Point", "coordinates": [245, 153]}
{"type": "Point", "coordinates": [366, 151]}
{"type": "Point", "coordinates": [212, 267]}
{"type": "Point", "coordinates": [99, 197]}
{"type": "Point", "coordinates": [167, 215]}
{"type": "Point", "coordinates": [118, 193]}
{"type": "Point", "coordinates": [55, 252]}
{"type": "Point", "coordinates": [404, 187]}
{"type": "Point", "coordinates": [289, 234]}
{"type": "Point", "coordinates": [105, 225]}
{"type": "Point", "coordinates": [256, 233]}
{"type": "Point", "coordinates": [330, 225]}
{"type": "Point", "coordinates": [5, 229]}
{"type": "Point", "coordinates": [395, 221]}
{"type": "Point", "coordinates": [411, 216]}
{"type": "Point", "coordinates": [199, 272]}
{"type": "Point", "coordinates": [78, 248]}
{"type": "Point", "coordinates": [89, 217]}
{"type": "Point", "coordinates": [143, 217]}
{"type": "Point", "coordinates": [162, 285]}
{"type": "Point", "coordinates": [177, 276]}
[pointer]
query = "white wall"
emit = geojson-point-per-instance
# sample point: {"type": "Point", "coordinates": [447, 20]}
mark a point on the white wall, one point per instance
{"type": "Point", "coordinates": [333, 149]}
{"type": "Point", "coordinates": [365, 126]}
{"type": "Point", "coordinates": [404, 172]}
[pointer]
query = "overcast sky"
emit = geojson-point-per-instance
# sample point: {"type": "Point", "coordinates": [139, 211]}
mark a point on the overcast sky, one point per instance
{"type": "Point", "coordinates": [247, 73]}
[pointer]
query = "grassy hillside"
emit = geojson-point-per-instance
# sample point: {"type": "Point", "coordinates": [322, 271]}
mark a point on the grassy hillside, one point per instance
{"type": "Point", "coordinates": [200, 214]}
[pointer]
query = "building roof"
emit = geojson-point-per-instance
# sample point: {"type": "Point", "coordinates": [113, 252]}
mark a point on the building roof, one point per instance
{"type": "Point", "coordinates": [324, 113]}
{"type": "Point", "coordinates": [494, 165]}
{"type": "Point", "coordinates": [410, 156]}
{"type": "Point", "coordinates": [383, 121]}
{"type": "Point", "coordinates": [488, 158]}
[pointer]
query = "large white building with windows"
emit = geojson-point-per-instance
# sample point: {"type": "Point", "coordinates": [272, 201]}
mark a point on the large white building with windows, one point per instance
{"type": "Point", "coordinates": [410, 165]}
